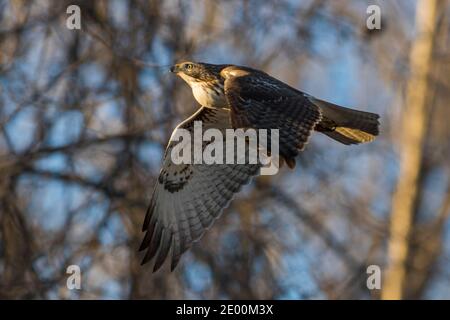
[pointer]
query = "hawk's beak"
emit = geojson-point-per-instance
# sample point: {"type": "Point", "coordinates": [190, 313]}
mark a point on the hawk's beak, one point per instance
{"type": "Point", "coordinates": [174, 69]}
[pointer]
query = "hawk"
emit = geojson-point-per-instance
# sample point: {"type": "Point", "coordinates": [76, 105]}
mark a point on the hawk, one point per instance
{"type": "Point", "coordinates": [188, 198]}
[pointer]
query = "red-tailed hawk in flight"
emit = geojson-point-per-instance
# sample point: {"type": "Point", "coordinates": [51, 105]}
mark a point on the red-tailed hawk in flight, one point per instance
{"type": "Point", "coordinates": [188, 198]}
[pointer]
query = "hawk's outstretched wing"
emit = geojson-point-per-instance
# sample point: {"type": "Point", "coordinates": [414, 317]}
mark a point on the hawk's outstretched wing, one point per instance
{"type": "Point", "coordinates": [260, 101]}
{"type": "Point", "coordinates": [189, 197]}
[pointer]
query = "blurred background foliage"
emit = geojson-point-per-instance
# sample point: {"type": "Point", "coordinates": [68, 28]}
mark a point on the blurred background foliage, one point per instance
{"type": "Point", "coordinates": [85, 116]}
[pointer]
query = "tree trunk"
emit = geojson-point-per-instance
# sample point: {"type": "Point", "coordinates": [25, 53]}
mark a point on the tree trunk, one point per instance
{"type": "Point", "coordinates": [413, 130]}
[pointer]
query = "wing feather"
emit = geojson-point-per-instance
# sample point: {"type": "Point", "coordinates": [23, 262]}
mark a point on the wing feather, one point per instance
{"type": "Point", "coordinates": [260, 101]}
{"type": "Point", "coordinates": [187, 199]}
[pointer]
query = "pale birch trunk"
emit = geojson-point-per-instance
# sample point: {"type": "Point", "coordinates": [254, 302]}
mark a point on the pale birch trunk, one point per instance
{"type": "Point", "coordinates": [413, 131]}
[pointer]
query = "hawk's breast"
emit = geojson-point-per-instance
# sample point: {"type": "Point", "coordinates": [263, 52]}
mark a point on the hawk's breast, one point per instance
{"type": "Point", "coordinates": [209, 94]}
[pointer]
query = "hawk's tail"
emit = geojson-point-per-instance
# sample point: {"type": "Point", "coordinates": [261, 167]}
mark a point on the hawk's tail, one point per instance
{"type": "Point", "coordinates": [346, 125]}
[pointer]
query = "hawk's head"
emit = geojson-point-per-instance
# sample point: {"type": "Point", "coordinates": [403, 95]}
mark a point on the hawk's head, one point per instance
{"type": "Point", "coordinates": [198, 71]}
{"type": "Point", "coordinates": [205, 81]}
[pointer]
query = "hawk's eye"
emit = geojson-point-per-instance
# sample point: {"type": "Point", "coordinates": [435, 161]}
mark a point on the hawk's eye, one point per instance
{"type": "Point", "coordinates": [188, 66]}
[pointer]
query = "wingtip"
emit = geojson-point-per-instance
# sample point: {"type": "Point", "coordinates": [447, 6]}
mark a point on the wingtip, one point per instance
{"type": "Point", "coordinates": [143, 246]}
{"type": "Point", "coordinates": [143, 261]}
{"type": "Point", "coordinates": [146, 241]}
{"type": "Point", "coordinates": [157, 266]}
{"type": "Point", "coordinates": [290, 162]}
{"type": "Point", "coordinates": [173, 265]}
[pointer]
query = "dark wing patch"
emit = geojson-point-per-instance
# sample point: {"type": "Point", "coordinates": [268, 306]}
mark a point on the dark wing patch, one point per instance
{"type": "Point", "coordinates": [175, 180]}
{"type": "Point", "coordinates": [259, 101]}
{"type": "Point", "coordinates": [187, 199]}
